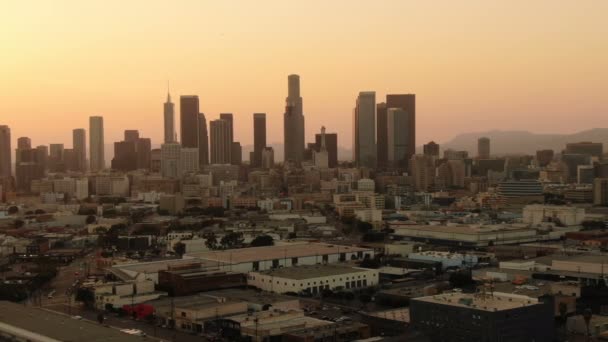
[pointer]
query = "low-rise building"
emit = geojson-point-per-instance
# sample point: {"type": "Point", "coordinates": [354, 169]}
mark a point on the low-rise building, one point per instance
{"type": "Point", "coordinates": [313, 278]}
{"type": "Point", "coordinates": [458, 316]}
{"type": "Point", "coordinates": [285, 255]}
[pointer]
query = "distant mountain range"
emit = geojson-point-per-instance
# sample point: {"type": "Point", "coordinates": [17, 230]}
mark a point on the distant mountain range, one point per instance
{"type": "Point", "coordinates": [520, 142]}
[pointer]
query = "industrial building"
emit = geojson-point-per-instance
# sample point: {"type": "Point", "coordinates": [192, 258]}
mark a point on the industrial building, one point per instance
{"type": "Point", "coordinates": [264, 258]}
{"type": "Point", "coordinates": [313, 278]}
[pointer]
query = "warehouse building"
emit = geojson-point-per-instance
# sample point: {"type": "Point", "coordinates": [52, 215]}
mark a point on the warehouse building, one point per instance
{"type": "Point", "coordinates": [313, 278]}
{"type": "Point", "coordinates": [270, 257]}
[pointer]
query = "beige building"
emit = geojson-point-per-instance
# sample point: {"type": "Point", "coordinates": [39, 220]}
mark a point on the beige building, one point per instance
{"type": "Point", "coordinates": [313, 278]}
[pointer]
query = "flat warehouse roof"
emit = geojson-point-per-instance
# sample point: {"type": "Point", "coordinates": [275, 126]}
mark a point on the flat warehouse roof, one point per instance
{"type": "Point", "coordinates": [312, 271]}
{"type": "Point", "coordinates": [296, 250]}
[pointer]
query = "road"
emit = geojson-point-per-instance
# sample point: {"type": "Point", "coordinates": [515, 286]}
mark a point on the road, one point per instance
{"type": "Point", "coordinates": [62, 287]}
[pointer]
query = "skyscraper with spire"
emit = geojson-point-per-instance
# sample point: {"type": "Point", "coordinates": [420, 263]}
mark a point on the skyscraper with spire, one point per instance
{"type": "Point", "coordinates": [169, 116]}
{"type": "Point", "coordinates": [293, 122]}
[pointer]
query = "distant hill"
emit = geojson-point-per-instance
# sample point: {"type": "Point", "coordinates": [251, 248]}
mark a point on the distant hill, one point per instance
{"type": "Point", "coordinates": [519, 142]}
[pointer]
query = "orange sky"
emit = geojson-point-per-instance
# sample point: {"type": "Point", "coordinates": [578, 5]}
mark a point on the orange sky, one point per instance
{"type": "Point", "coordinates": [474, 65]}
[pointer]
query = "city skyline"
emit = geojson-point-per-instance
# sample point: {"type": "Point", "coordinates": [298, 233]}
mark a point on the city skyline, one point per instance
{"type": "Point", "coordinates": [527, 76]}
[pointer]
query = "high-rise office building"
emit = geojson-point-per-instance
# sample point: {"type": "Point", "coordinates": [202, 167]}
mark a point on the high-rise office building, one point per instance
{"type": "Point", "coordinates": [483, 148]}
{"type": "Point", "coordinates": [96, 143]}
{"type": "Point", "coordinates": [188, 160]}
{"type": "Point", "coordinates": [203, 141]}
{"type": "Point", "coordinates": [24, 143]}
{"type": "Point", "coordinates": [364, 135]}
{"type": "Point", "coordinates": [155, 160]}
{"type": "Point", "coordinates": [189, 110]}
{"type": "Point", "coordinates": [220, 142]}
{"type": "Point", "coordinates": [125, 156]}
{"type": "Point", "coordinates": [69, 159]}
{"type": "Point", "coordinates": [170, 155]}
{"type": "Point", "coordinates": [259, 138]}
{"type": "Point", "coordinates": [79, 144]}
{"type": "Point", "coordinates": [321, 156]}
{"type": "Point", "coordinates": [381, 135]}
{"type": "Point", "coordinates": [422, 169]}
{"type": "Point", "coordinates": [331, 143]}
{"type": "Point", "coordinates": [27, 167]}
{"type": "Point", "coordinates": [230, 118]}
{"type": "Point", "coordinates": [544, 157]}
{"type": "Point", "coordinates": [267, 158]}
{"type": "Point", "coordinates": [431, 149]}
{"type": "Point", "coordinates": [588, 148]}
{"type": "Point", "coordinates": [236, 153]}
{"type": "Point", "coordinates": [407, 102]}
{"type": "Point", "coordinates": [56, 160]}
{"type": "Point", "coordinates": [42, 157]}
{"type": "Point", "coordinates": [6, 159]}
{"type": "Point", "coordinates": [131, 135]}
{"type": "Point", "coordinates": [600, 191]}
{"type": "Point", "coordinates": [143, 146]}
{"type": "Point", "coordinates": [398, 121]}
{"type": "Point", "coordinates": [293, 122]}
{"type": "Point", "coordinates": [169, 120]}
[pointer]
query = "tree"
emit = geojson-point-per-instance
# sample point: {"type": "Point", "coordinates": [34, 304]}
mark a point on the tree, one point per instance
{"type": "Point", "coordinates": [262, 240]}
{"type": "Point", "coordinates": [231, 240]}
{"type": "Point", "coordinates": [461, 279]}
{"type": "Point", "coordinates": [179, 248]}
{"type": "Point", "coordinates": [90, 219]}
{"type": "Point", "coordinates": [364, 298]}
{"type": "Point", "coordinates": [12, 210]}
{"type": "Point", "coordinates": [364, 227]}
{"type": "Point", "coordinates": [85, 296]}
{"type": "Point", "coordinates": [211, 240]}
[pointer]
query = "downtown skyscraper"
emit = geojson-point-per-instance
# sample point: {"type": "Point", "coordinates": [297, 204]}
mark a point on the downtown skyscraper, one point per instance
{"type": "Point", "coordinates": [259, 138]}
{"type": "Point", "coordinates": [203, 141]}
{"type": "Point", "coordinates": [220, 141]}
{"type": "Point", "coordinates": [364, 135]}
{"type": "Point", "coordinates": [407, 128]}
{"type": "Point", "coordinates": [169, 120]}
{"type": "Point", "coordinates": [189, 121]}
{"type": "Point", "coordinates": [293, 122]}
{"type": "Point", "coordinates": [5, 152]}
{"type": "Point", "coordinates": [79, 145]}
{"type": "Point", "coordinates": [96, 143]}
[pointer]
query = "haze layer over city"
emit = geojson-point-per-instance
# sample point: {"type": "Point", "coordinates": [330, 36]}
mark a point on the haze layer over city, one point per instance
{"type": "Point", "coordinates": [303, 171]}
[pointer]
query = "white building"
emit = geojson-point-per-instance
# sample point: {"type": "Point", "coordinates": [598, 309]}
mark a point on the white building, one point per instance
{"type": "Point", "coordinates": [313, 278]}
{"type": "Point", "coordinates": [369, 215]}
{"type": "Point", "coordinates": [366, 184]}
{"type": "Point", "coordinates": [125, 293]}
{"type": "Point", "coordinates": [170, 154]}
{"type": "Point", "coordinates": [188, 160]}
{"type": "Point", "coordinates": [447, 259]}
{"type": "Point", "coordinates": [534, 214]}
{"type": "Point", "coordinates": [82, 188]}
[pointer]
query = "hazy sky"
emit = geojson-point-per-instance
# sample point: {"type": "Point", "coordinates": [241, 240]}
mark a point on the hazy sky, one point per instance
{"type": "Point", "coordinates": [474, 65]}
